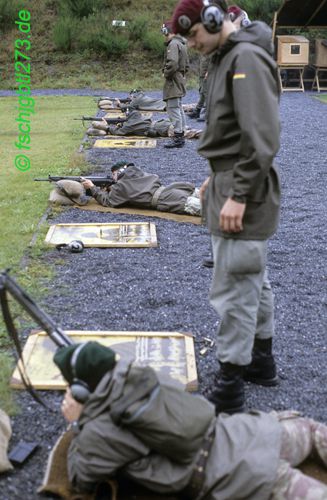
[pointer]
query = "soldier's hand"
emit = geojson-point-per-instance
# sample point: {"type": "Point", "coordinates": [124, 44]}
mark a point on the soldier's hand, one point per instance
{"type": "Point", "coordinates": [231, 216]}
{"type": "Point", "coordinates": [203, 188]}
{"type": "Point", "coordinates": [70, 408]}
{"type": "Point", "coordinates": [86, 183]}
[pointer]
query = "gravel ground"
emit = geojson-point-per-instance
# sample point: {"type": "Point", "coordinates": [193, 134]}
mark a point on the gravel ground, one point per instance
{"type": "Point", "coordinates": [166, 288]}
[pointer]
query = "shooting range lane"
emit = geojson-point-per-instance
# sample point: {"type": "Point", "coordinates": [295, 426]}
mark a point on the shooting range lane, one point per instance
{"type": "Point", "coordinates": [166, 288]}
{"type": "Point", "coordinates": [94, 206]}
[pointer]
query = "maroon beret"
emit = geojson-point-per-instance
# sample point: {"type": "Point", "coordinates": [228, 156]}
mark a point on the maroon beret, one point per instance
{"type": "Point", "coordinates": [188, 12]}
{"type": "Point", "coordinates": [234, 11]}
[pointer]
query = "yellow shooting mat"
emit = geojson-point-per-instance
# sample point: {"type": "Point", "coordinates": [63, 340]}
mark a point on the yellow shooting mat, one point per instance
{"type": "Point", "coordinates": [129, 137]}
{"type": "Point", "coordinates": [95, 207]}
{"type": "Point", "coordinates": [125, 142]}
{"type": "Point", "coordinates": [105, 235]}
{"type": "Point", "coordinates": [118, 114]}
{"type": "Point", "coordinates": [170, 353]}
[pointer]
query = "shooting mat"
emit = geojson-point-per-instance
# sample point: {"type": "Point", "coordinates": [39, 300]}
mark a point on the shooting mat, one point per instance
{"type": "Point", "coordinates": [104, 235]}
{"type": "Point", "coordinates": [95, 207]}
{"type": "Point", "coordinates": [124, 143]}
{"type": "Point", "coordinates": [171, 353]}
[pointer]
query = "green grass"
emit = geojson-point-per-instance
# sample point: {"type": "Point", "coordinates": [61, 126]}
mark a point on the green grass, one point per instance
{"type": "Point", "coordinates": [89, 67]}
{"type": "Point", "coordinates": [55, 138]}
{"type": "Point", "coordinates": [321, 97]}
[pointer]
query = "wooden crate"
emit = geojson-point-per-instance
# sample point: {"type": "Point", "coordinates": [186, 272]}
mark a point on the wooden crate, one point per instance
{"type": "Point", "coordinates": [292, 50]}
{"type": "Point", "coordinates": [320, 59]}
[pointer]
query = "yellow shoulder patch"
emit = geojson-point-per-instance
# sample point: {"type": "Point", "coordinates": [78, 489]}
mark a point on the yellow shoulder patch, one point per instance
{"type": "Point", "coordinates": [239, 76]}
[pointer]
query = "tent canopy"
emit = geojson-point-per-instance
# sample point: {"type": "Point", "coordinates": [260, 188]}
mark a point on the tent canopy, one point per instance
{"type": "Point", "coordinates": [302, 14]}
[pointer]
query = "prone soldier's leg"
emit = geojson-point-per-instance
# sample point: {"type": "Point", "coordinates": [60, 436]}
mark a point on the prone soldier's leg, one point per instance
{"type": "Point", "coordinates": [193, 205]}
{"type": "Point", "coordinates": [300, 437]}
{"type": "Point", "coordinates": [292, 484]}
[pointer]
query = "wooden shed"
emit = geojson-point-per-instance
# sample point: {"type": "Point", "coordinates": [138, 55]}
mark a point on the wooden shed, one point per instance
{"type": "Point", "coordinates": [292, 49]}
{"type": "Point", "coordinates": [320, 59]}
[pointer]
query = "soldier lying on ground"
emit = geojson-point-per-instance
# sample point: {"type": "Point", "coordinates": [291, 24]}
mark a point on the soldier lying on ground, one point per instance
{"type": "Point", "coordinates": [137, 188]}
{"type": "Point", "coordinates": [140, 125]}
{"type": "Point", "coordinates": [137, 99]}
{"type": "Point", "coordinates": [143, 425]}
{"type": "Point", "coordinates": [135, 124]}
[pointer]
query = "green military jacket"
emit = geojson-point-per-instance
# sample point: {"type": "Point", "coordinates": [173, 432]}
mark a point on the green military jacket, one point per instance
{"type": "Point", "coordinates": [136, 188]}
{"type": "Point", "coordinates": [135, 124]}
{"type": "Point", "coordinates": [149, 429]}
{"type": "Point", "coordinates": [176, 64]}
{"type": "Point", "coordinates": [144, 102]}
{"type": "Point", "coordinates": [241, 138]}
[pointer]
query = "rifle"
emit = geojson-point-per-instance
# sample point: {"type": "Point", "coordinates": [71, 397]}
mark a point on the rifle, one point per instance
{"type": "Point", "coordinates": [123, 100]}
{"type": "Point", "coordinates": [110, 121]}
{"type": "Point", "coordinates": [9, 285]}
{"type": "Point", "coordinates": [97, 181]}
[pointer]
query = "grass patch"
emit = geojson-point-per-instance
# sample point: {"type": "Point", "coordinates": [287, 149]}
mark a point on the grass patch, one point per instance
{"type": "Point", "coordinates": [55, 138]}
{"type": "Point", "coordinates": [80, 48]}
{"type": "Point", "coordinates": [321, 97]}
{"type": "Point", "coordinates": [7, 402]}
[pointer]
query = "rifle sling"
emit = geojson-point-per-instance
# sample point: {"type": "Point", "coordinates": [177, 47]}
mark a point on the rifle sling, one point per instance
{"type": "Point", "coordinates": [13, 334]}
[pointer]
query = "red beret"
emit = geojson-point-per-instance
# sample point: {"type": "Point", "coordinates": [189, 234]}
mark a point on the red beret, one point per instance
{"type": "Point", "coordinates": [188, 12]}
{"type": "Point", "coordinates": [234, 12]}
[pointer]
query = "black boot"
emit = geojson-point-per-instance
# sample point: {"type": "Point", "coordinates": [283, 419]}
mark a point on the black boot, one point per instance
{"type": "Point", "coordinates": [262, 369]}
{"type": "Point", "coordinates": [177, 141]}
{"type": "Point", "coordinates": [228, 396]}
{"type": "Point", "coordinates": [195, 113]}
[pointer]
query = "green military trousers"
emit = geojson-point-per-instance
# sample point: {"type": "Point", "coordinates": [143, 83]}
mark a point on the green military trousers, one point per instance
{"type": "Point", "coordinates": [176, 114]}
{"type": "Point", "coordinates": [241, 294]}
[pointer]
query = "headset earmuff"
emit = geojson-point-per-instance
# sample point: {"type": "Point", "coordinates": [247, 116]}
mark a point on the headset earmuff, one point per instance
{"type": "Point", "coordinates": [212, 16]}
{"type": "Point", "coordinates": [79, 389]}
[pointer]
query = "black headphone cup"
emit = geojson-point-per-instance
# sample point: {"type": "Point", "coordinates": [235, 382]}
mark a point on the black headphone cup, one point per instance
{"type": "Point", "coordinates": [212, 17]}
{"type": "Point", "coordinates": [80, 390]}
{"type": "Point", "coordinates": [76, 246]}
{"type": "Point", "coordinates": [245, 22]}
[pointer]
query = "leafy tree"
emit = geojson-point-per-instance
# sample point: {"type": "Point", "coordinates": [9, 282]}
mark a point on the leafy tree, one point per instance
{"type": "Point", "coordinates": [259, 10]}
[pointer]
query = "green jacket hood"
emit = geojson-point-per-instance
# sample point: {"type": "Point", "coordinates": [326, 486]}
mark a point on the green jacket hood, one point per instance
{"type": "Point", "coordinates": [257, 33]}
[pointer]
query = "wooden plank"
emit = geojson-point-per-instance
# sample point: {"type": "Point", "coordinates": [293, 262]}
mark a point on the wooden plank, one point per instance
{"type": "Point", "coordinates": [105, 235]}
{"type": "Point", "coordinates": [125, 143]}
{"type": "Point", "coordinates": [170, 353]}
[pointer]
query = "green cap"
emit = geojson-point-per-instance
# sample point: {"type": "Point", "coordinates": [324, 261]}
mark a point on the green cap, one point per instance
{"type": "Point", "coordinates": [92, 362]}
{"type": "Point", "coordinates": [118, 165]}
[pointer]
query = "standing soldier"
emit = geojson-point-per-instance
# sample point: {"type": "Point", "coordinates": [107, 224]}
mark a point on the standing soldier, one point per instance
{"type": "Point", "coordinates": [203, 74]}
{"type": "Point", "coordinates": [176, 65]}
{"type": "Point", "coordinates": [242, 194]}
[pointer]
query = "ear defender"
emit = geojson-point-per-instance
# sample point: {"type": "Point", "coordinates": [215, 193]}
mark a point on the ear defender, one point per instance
{"type": "Point", "coordinates": [79, 389]}
{"type": "Point", "coordinates": [245, 20]}
{"type": "Point", "coordinates": [75, 246]}
{"type": "Point", "coordinates": [164, 30]}
{"type": "Point", "coordinates": [212, 17]}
